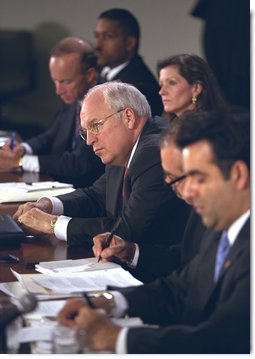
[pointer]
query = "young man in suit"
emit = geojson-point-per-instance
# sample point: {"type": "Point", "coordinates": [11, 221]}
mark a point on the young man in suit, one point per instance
{"type": "Point", "coordinates": [204, 308]}
{"type": "Point", "coordinates": [116, 121]}
{"type": "Point", "coordinates": [117, 36]}
{"type": "Point", "coordinates": [59, 151]}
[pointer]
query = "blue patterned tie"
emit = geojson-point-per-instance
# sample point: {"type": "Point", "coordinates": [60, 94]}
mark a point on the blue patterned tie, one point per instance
{"type": "Point", "coordinates": [223, 249]}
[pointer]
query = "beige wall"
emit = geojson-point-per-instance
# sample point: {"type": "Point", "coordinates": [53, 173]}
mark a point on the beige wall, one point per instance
{"type": "Point", "coordinates": [166, 26]}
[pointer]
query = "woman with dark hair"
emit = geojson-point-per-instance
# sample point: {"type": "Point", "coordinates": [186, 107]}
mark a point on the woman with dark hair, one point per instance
{"type": "Point", "coordinates": [188, 83]}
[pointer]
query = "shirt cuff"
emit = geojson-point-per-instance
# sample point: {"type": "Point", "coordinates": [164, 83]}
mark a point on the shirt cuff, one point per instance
{"type": "Point", "coordinates": [60, 228]}
{"type": "Point", "coordinates": [30, 163]}
{"type": "Point", "coordinates": [134, 261]}
{"type": "Point", "coordinates": [57, 205]}
{"type": "Point", "coordinates": [121, 343]}
{"type": "Point", "coordinates": [121, 304]}
{"type": "Point", "coordinates": [28, 148]}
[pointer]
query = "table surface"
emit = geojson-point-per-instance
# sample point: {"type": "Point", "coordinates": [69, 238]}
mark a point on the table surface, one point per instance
{"type": "Point", "coordinates": [35, 249]}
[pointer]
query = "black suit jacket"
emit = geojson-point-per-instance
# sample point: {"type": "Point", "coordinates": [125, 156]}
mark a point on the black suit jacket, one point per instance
{"type": "Point", "coordinates": [160, 260]}
{"type": "Point", "coordinates": [58, 158]}
{"type": "Point", "coordinates": [138, 74]}
{"type": "Point", "coordinates": [196, 315]}
{"type": "Point", "coordinates": [151, 211]}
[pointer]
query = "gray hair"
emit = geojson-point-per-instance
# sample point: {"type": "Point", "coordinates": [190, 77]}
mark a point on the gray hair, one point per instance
{"type": "Point", "coordinates": [119, 95]}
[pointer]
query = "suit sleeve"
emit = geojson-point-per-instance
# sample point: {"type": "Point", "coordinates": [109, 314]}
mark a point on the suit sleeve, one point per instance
{"type": "Point", "coordinates": [79, 166]}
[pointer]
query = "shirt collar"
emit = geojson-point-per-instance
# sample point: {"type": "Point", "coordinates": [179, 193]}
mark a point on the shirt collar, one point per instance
{"type": "Point", "coordinates": [112, 72]}
{"type": "Point", "coordinates": [236, 227]}
{"type": "Point", "coordinates": [133, 152]}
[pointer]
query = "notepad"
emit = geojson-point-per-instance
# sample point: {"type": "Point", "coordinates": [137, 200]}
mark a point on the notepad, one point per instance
{"type": "Point", "coordinates": [22, 191]}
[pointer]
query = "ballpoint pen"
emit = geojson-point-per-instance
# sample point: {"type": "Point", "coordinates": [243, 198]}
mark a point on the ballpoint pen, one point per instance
{"type": "Point", "coordinates": [12, 139]}
{"type": "Point", "coordinates": [88, 300]}
{"type": "Point", "coordinates": [109, 238]}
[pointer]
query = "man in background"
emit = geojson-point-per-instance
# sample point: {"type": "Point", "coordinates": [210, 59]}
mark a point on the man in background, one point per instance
{"type": "Point", "coordinates": [117, 37]}
{"type": "Point", "coordinates": [59, 151]}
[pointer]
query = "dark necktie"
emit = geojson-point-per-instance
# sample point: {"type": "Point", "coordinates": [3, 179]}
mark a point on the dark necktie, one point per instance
{"type": "Point", "coordinates": [124, 178]}
{"type": "Point", "coordinates": [222, 252]}
{"type": "Point", "coordinates": [77, 125]}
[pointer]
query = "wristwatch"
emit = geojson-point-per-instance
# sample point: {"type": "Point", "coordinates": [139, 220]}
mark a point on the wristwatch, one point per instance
{"type": "Point", "coordinates": [52, 223]}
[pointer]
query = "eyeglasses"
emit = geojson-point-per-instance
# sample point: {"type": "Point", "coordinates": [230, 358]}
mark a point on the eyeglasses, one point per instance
{"type": "Point", "coordinates": [95, 127]}
{"type": "Point", "coordinates": [178, 179]}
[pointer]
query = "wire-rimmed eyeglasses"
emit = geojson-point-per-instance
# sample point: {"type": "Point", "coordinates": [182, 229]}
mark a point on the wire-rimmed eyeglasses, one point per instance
{"type": "Point", "coordinates": [95, 127]}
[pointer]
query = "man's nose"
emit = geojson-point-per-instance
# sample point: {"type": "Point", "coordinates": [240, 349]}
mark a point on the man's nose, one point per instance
{"type": "Point", "coordinates": [59, 88]}
{"type": "Point", "coordinates": [188, 189]}
{"type": "Point", "coordinates": [91, 138]}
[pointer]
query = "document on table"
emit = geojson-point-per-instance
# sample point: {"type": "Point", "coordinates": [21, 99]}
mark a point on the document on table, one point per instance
{"type": "Point", "coordinates": [22, 191]}
{"type": "Point", "coordinates": [74, 265]}
{"type": "Point", "coordinates": [68, 283]}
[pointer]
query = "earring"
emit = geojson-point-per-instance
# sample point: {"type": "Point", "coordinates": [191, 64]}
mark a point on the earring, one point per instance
{"type": "Point", "coordinates": [194, 100]}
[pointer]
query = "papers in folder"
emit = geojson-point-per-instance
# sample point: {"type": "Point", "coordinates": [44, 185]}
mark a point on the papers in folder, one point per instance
{"type": "Point", "coordinates": [22, 192]}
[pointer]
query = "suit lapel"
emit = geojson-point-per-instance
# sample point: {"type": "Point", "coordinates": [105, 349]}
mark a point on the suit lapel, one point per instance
{"type": "Point", "coordinates": [114, 182]}
{"type": "Point", "coordinates": [212, 290]}
{"type": "Point", "coordinates": [65, 136]}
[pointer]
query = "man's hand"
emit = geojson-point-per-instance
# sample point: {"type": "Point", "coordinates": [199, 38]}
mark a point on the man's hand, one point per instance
{"type": "Point", "coordinates": [71, 309]}
{"type": "Point", "coordinates": [118, 251]}
{"type": "Point", "coordinates": [98, 331]}
{"type": "Point", "coordinates": [18, 149]}
{"type": "Point", "coordinates": [44, 204]}
{"type": "Point", "coordinates": [36, 221]}
{"type": "Point", "coordinates": [9, 160]}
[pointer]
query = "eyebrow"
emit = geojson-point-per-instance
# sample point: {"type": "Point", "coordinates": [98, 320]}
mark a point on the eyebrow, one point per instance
{"type": "Point", "coordinates": [195, 173]}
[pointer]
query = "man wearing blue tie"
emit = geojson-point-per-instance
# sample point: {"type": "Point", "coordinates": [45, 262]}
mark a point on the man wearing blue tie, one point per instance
{"type": "Point", "coordinates": [205, 307]}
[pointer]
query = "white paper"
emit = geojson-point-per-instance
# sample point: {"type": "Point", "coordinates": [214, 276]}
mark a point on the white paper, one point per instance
{"type": "Point", "coordinates": [21, 191]}
{"type": "Point", "coordinates": [86, 281]}
{"type": "Point", "coordinates": [76, 265]}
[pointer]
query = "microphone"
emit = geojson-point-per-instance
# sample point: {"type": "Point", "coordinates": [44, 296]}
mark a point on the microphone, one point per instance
{"type": "Point", "coordinates": [11, 308]}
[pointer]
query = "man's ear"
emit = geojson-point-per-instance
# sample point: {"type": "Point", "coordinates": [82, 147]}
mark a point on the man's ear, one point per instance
{"type": "Point", "coordinates": [92, 75]}
{"type": "Point", "coordinates": [131, 43]}
{"type": "Point", "coordinates": [240, 175]}
{"type": "Point", "coordinates": [130, 118]}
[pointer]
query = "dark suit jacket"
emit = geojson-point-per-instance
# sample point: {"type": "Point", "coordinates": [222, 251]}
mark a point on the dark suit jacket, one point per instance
{"type": "Point", "coordinates": [226, 43]}
{"type": "Point", "coordinates": [58, 158]}
{"type": "Point", "coordinates": [196, 315]}
{"type": "Point", "coordinates": [138, 74]}
{"type": "Point", "coordinates": [160, 260]}
{"type": "Point", "coordinates": [151, 211]}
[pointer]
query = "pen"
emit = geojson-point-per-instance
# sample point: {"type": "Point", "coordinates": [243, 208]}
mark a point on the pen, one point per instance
{"type": "Point", "coordinates": [90, 303]}
{"type": "Point", "coordinates": [12, 138]}
{"type": "Point", "coordinates": [109, 238]}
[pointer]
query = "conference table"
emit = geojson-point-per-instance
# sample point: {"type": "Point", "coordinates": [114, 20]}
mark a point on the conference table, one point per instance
{"type": "Point", "coordinates": [33, 249]}
{"type": "Point", "coordinates": [37, 248]}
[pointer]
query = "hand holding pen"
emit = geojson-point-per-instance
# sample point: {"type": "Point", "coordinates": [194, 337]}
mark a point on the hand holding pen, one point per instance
{"type": "Point", "coordinates": [12, 140]}
{"type": "Point", "coordinates": [107, 242]}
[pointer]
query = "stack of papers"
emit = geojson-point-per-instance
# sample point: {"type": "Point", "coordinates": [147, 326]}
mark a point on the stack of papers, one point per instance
{"type": "Point", "coordinates": [65, 278]}
{"type": "Point", "coordinates": [22, 191]}
{"type": "Point", "coordinates": [74, 265]}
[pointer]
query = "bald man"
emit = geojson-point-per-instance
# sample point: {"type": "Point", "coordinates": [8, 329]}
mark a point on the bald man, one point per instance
{"type": "Point", "coordinates": [59, 151]}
